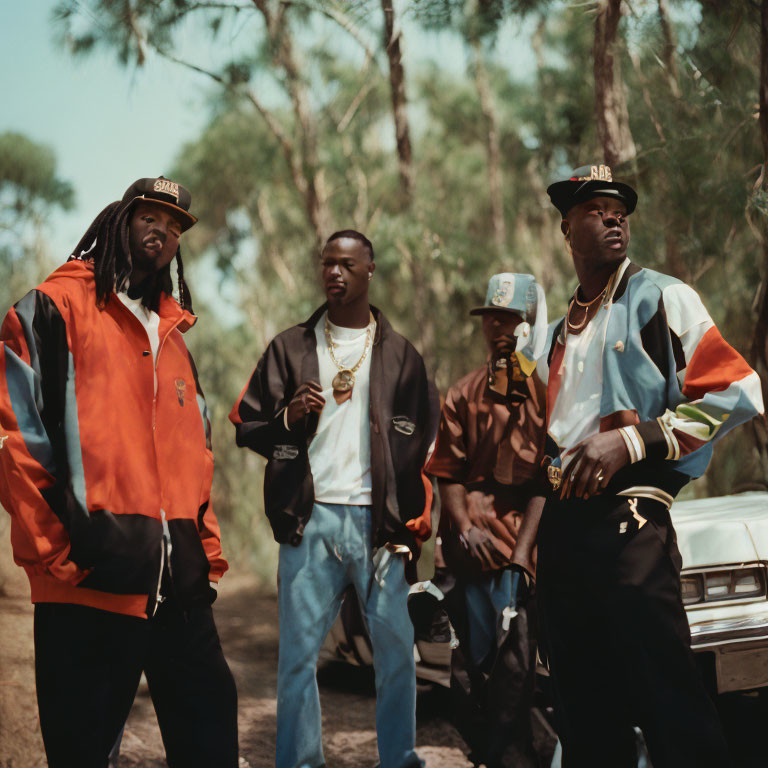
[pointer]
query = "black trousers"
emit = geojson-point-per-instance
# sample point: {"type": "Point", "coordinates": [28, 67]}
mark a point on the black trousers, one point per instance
{"type": "Point", "coordinates": [88, 664]}
{"type": "Point", "coordinates": [492, 697]}
{"type": "Point", "coordinates": [614, 630]}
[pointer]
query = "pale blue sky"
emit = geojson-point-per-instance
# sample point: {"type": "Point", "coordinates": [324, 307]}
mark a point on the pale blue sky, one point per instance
{"type": "Point", "coordinates": [109, 125]}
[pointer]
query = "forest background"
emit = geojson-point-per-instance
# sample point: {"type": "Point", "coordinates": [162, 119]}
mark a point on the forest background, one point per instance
{"type": "Point", "coordinates": [321, 116]}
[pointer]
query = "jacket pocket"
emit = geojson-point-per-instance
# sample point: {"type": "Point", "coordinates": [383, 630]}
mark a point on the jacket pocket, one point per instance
{"type": "Point", "coordinates": [288, 494]}
{"type": "Point", "coordinates": [121, 552]}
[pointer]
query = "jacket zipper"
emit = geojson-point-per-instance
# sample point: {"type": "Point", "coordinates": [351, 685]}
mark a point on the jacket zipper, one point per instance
{"type": "Point", "coordinates": [166, 549]}
{"type": "Point", "coordinates": [166, 542]}
{"type": "Point", "coordinates": [158, 597]}
{"type": "Point", "coordinates": [166, 546]}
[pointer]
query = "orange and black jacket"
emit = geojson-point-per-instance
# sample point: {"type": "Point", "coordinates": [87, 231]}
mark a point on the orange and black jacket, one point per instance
{"type": "Point", "coordinates": [107, 478]}
{"type": "Point", "coordinates": [404, 413]}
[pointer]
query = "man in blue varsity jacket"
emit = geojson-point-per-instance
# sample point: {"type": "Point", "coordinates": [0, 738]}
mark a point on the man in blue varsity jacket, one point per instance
{"type": "Point", "coordinates": [639, 385]}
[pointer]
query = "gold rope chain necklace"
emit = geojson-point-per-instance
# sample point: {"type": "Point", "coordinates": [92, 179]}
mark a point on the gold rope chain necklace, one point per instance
{"type": "Point", "coordinates": [575, 299]}
{"type": "Point", "coordinates": [589, 303]}
{"type": "Point", "coordinates": [344, 380]}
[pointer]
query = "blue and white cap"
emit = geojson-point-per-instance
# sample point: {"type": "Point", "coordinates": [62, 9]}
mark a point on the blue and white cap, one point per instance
{"type": "Point", "coordinates": [521, 294]}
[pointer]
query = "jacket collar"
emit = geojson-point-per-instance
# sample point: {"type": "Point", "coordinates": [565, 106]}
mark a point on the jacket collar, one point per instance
{"type": "Point", "coordinates": [632, 269]}
{"type": "Point", "coordinates": [171, 311]}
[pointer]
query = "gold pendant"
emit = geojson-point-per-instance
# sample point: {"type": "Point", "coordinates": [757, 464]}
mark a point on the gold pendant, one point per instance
{"type": "Point", "coordinates": [343, 381]}
{"type": "Point", "coordinates": [342, 385]}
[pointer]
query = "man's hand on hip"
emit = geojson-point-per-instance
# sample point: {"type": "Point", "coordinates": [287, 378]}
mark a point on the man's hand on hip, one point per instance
{"type": "Point", "coordinates": [589, 466]}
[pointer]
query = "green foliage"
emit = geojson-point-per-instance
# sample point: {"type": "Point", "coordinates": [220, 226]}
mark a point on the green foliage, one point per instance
{"type": "Point", "coordinates": [692, 119]}
{"type": "Point", "coordinates": [28, 176]}
{"type": "Point", "coordinates": [29, 190]}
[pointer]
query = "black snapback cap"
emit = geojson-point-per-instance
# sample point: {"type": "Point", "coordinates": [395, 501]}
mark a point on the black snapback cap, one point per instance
{"type": "Point", "coordinates": [164, 192]}
{"type": "Point", "coordinates": [586, 182]}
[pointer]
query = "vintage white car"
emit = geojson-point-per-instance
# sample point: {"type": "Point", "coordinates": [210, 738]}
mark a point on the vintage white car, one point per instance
{"type": "Point", "coordinates": [724, 544]}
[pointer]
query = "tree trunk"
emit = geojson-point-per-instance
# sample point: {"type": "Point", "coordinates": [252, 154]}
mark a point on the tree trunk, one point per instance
{"type": "Point", "coordinates": [310, 182]}
{"type": "Point", "coordinates": [610, 102]}
{"type": "Point", "coordinates": [759, 349]}
{"type": "Point", "coordinates": [669, 51]}
{"type": "Point", "coordinates": [399, 101]}
{"type": "Point", "coordinates": [492, 150]}
{"type": "Point", "coordinates": [759, 352]}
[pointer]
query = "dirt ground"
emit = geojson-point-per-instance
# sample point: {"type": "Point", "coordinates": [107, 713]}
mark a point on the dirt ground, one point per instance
{"type": "Point", "coordinates": [247, 621]}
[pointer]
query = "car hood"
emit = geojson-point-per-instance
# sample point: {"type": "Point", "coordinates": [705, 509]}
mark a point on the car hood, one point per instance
{"type": "Point", "coordinates": [725, 529]}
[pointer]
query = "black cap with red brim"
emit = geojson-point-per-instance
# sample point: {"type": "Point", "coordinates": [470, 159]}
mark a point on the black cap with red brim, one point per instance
{"type": "Point", "coordinates": [587, 182]}
{"type": "Point", "coordinates": [163, 192]}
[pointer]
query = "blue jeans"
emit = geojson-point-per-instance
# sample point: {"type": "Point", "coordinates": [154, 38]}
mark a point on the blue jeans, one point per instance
{"type": "Point", "coordinates": [485, 602]}
{"type": "Point", "coordinates": [334, 553]}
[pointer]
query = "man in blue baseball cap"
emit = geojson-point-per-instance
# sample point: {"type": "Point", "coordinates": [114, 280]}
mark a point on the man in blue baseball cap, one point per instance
{"type": "Point", "coordinates": [489, 447]}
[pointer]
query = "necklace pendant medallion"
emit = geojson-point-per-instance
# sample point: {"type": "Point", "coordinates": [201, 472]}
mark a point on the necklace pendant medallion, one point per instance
{"type": "Point", "coordinates": [343, 381]}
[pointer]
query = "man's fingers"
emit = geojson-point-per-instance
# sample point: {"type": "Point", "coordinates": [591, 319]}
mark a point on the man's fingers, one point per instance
{"type": "Point", "coordinates": [498, 557]}
{"type": "Point", "coordinates": [488, 506]}
{"type": "Point", "coordinates": [570, 475]}
{"type": "Point", "coordinates": [571, 459]}
{"type": "Point", "coordinates": [594, 480]}
{"type": "Point", "coordinates": [604, 477]}
{"type": "Point", "coordinates": [583, 475]}
{"type": "Point", "coordinates": [484, 557]}
{"type": "Point", "coordinates": [570, 466]}
{"type": "Point", "coordinates": [307, 388]}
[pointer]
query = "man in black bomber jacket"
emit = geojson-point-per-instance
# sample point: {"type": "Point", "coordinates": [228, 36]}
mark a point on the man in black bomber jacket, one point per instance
{"type": "Point", "coordinates": [343, 411]}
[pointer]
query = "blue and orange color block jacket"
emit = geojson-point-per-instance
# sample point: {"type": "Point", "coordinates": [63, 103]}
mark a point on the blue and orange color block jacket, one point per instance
{"type": "Point", "coordinates": [668, 374]}
{"type": "Point", "coordinates": [94, 466]}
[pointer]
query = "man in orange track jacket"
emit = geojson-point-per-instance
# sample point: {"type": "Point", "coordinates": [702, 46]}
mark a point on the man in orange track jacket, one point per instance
{"type": "Point", "coordinates": [106, 470]}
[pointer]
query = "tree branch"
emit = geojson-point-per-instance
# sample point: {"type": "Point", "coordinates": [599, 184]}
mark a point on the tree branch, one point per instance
{"type": "Point", "coordinates": [611, 112]}
{"type": "Point", "coordinates": [307, 170]}
{"type": "Point", "coordinates": [493, 152]}
{"type": "Point", "coordinates": [670, 46]}
{"type": "Point", "coordinates": [399, 101]}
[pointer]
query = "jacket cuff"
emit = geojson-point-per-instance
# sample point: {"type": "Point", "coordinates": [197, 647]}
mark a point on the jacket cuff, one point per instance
{"type": "Point", "coordinates": [279, 430]}
{"type": "Point", "coordinates": [652, 439]}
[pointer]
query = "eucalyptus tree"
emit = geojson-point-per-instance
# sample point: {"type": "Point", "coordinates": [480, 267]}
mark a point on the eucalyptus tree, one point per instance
{"type": "Point", "coordinates": [30, 190]}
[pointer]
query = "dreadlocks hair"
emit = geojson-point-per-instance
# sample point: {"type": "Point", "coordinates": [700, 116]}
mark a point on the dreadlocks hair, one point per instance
{"type": "Point", "coordinates": [106, 245]}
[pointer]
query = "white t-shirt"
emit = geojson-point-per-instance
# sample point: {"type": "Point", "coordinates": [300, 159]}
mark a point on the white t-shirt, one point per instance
{"type": "Point", "coordinates": [340, 451]}
{"type": "Point", "coordinates": [151, 322]}
{"type": "Point", "coordinates": [576, 412]}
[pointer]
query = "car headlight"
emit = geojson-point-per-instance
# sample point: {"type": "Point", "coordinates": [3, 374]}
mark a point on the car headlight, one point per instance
{"type": "Point", "coordinates": [748, 583]}
{"type": "Point", "coordinates": [693, 590]}
{"type": "Point", "coordinates": [738, 583]}
{"type": "Point", "coordinates": [717, 585]}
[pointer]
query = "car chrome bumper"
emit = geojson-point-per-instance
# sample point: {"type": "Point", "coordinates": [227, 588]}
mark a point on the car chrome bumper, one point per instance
{"type": "Point", "coordinates": [740, 647]}
{"type": "Point", "coordinates": [720, 632]}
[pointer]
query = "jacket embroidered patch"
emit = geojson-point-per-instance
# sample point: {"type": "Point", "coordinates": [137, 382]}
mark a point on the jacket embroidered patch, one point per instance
{"type": "Point", "coordinates": [285, 452]}
{"type": "Point", "coordinates": [403, 425]}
